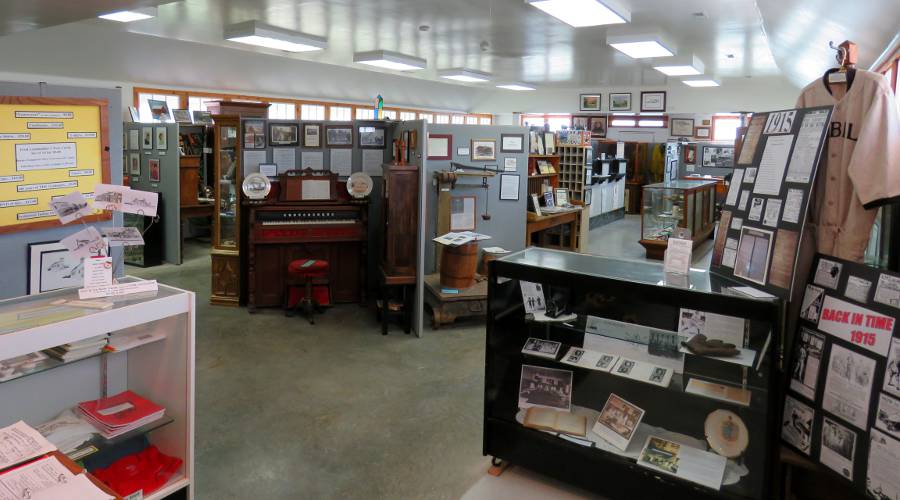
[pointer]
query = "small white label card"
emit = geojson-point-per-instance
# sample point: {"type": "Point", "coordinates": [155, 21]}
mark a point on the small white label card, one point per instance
{"type": "Point", "coordinates": [123, 236]}
{"type": "Point", "coordinates": [678, 256]}
{"type": "Point", "coordinates": [108, 196]}
{"type": "Point", "coordinates": [140, 202]}
{"type": "Point", "coordinates": [118, 290]}
{"type": "Point", "coordinates": [70, 207]}
{"type": "Point", "coordinates": [97, 271]}
{"type": "Point", "coordinates": [85, 243]}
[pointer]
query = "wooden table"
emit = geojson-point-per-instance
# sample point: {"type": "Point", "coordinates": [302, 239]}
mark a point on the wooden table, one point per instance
{"type": "Point", "coordinates": [198, 210]}
{"type": "Point", "coordinates": [540, 223]}
{"type": "Point", "coordinates": [447, 307]}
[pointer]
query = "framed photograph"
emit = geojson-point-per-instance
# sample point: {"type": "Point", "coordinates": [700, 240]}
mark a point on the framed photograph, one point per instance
{"type": "Point", "coordinates": [159, 110]}
{"type": "Point", "coordinates": [702, 132]}
{"type": "Point", "coordinates": [690, 154]}
{"type": "Point", "coordinates": [312, 135]}
{"type": "Point", "coordinates": [462, 213]}
{"type": "Point", "coordinates": [484, 150]}
{"type": "Point", "coordinates": [339, 136]}
{"type": "Point", "coordinates": [439, 146]}
{"type": "Point", "coordinates": [620, 101]}
{"type": "Point", "coordinates": [653, 101]}
{"type": "Point", "coordinates": [590, 102]}
{"type": "Point", "coordinates": [134, 164]}
{"type": "Point", "coordinates": [134, 139]}
{"type": "Point", "coordinates": [754, 251]}
{"type": "Point", "coordinates": [371, 137]}
{"type": "Point", "coordinates": [284, 134]}
{"type": "Point", "coordinates": [413, 140]}
{"type": "Point", "coordinates": [512, 143]}
{"type": "Point", "coordinates": [162, 138]}
{"type": "Point", "coordinates": [718, 156]}
{"type": "Point", "coordinates": [147, 137]}
{"type": "Point", "coordinates": [599, 124]}
{"type": "Point", "coordinates": [202, 117]}
{"type": "Point", "coordinates": [545, 387]}
{"type": "Point", "coordinates": [681, 127]}
{"type": "Point", "coordinates": [153, 166]}
{"type": "Point", "coordinates": [548, 349]}
{"type": "Point", "coordinates": [509, 187]}
{"type": "Point", "coordinates": [52, 267]}
{"type": "Point", "coordinates": [135, 115]}
{"type": "Point", "coordinates": [581, 122]}
{"type": "Point", "coordinates": [254, 134]}
{"type": "Point", "coordinates": [618, 421]}
{"type": "Point", "coordinates": [182, 116]}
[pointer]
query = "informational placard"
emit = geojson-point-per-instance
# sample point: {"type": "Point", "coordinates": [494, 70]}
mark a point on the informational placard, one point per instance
{"type": "Point", "coordinates": [843, 404]}
{"type": "Point", "coordinates": [767, 201]}
{"type": "Point", "coordinates": [49, 147]}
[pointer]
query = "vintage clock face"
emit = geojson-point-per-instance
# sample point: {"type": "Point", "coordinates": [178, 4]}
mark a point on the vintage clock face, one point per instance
{"type": "Point", "coordinates": [359, 185]}
{"type": "Point", "coordinates": [256, 186]}
{"type": "Point", "coordinates": [726, 433]}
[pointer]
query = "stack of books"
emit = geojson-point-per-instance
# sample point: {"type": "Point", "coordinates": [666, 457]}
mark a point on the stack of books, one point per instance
{"type": "Point", "coordinates": [119, 414]}
{"type": "Point", "coordinates": [78, 350]}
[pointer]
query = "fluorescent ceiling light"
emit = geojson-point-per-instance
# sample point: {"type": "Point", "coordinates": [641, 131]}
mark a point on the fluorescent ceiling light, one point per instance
{"type": "Point", "coordinates": [272, 37]}
{"type": "Point", "coordinates": [464, 75]}
{"type": "Point", "coordinates": [514, 86]}
{"type": "Point", "coordinates": [701, 82]}
{"type": "Point", "coordinates": [390, 60]}
{"type": "Point", "coordinates": [643, 45]}
{"type": "Point", "coordinates": [127, 16]}
{"type": "Point", "coordinates": [580, 13]}
{"type": "Point", "coordinates": [687, 65]}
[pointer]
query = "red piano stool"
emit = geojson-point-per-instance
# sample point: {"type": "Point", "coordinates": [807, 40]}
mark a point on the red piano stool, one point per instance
{"type": "Point", "coordinates": [309, 273]}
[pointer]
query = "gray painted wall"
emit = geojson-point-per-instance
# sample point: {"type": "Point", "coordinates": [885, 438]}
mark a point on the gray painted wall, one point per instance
{"type": "Point", "coordinates": [168, 187]}
{"type": "Point", "coordinates": [698, 169]}
{"type": "Point", "coordinates": [14, 246]}
{"type": "Point", "coordinates": [507, 224]}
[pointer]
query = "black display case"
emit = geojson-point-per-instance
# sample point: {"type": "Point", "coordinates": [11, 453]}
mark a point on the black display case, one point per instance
{"type": "Point", "coordinates": [618, 300]}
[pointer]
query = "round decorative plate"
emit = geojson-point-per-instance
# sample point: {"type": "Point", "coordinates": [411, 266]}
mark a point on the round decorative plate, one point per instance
{"type": "Point", "coordinates": [726, 433]}
{"type": "Point", "coordinates": [359, 185]}
{"type": "Point", "coordinates": [256, 186]}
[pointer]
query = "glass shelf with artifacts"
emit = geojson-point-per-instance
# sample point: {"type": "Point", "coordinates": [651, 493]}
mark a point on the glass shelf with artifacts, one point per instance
{"type": "Point", "coordinates": [667, 206]}
{"type": "Point", "coordinates": [225, 255]}
{"type": "Point", "coordinates": [604, 364]}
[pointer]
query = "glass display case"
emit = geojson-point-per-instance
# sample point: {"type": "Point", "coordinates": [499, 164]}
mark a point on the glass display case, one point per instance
{"type": "Point", "coordinates": [595, 386]}
{"type": "Point", "coordinates": [226, 277]}
{"type": "Point", "coordinates": [689, 204]}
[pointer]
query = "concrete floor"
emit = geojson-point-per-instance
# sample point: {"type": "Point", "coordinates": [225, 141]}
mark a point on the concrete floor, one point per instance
{"type": "Point", "coordinates": [286, 410]}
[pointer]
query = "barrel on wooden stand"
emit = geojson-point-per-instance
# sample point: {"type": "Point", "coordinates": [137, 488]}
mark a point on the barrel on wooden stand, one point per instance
{"type": "Point", "coordinates": [458, 265]}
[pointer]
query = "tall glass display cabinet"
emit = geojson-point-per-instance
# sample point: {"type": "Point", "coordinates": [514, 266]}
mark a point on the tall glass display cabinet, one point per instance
{"type": "Point", "coordinates": [689, 204]}
{"type": "Point", "coordinates": [620, 379]}
{"type": "Point", "coordinates": [226, 265]}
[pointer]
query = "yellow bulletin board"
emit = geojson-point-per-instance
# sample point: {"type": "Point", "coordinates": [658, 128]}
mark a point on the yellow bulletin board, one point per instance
{"type": "Point", "coordinates": [49, 147]}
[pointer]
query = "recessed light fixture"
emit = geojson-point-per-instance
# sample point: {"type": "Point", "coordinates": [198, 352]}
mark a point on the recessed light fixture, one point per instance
{"type": "Point", "coordinates": [390, 60]}
{"type": "Point", "coordinates": [687, 65]}
{"type": "Point", "coordinates": [464, 75]}
{"type": "Point", "coordinates": [514, 86]}
{"type": "Point", "coordinates": [642, 45]}
{"type": "Point", "coordinates": [580, 13]}
{"type": "Point", "coordinates": [128, 16]}
{"type": "Point", "coordinates": [704, 81]}
{"type": "Point", "coordinates": [273, 37]}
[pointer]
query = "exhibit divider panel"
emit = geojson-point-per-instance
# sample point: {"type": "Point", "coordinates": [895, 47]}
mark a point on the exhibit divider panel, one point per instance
{"type": "Point", "coordinates": [14, 276]}
{"type": "Point", "coordinates": [720, 168]}
{"type": "Point", "coordinates": [163, 178]}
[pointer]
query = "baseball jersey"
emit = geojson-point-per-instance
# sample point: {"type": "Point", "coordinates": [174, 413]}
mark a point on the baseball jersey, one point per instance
{"type": "Point", "coordinates": [860, 167]}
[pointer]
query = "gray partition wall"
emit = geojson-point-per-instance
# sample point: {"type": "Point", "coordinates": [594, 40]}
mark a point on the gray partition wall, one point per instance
{"type": "Point", "coordinates": [14, 246]}
{"type": "Point", "coordinates": [699, 169]}
{"type": "Point", "coordinates": [418, 159]}
{"type": "Point", "coordinates": [168, 185]}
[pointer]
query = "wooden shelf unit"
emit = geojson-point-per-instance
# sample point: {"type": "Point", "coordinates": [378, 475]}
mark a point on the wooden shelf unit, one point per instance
{"type": "Point", "coordinates": [575, 166]}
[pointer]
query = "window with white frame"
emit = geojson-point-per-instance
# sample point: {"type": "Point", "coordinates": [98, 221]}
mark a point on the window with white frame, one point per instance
{"type": "Point", "coordinates": [197, 103]}
{"type": "Point", "coordinates": [282, 111]}
{"type": "Point", "coordinates": [340, 113]}
{"type": "Point", "coordinates": [407, 116]}
{"type": "Point", "coordinates": [471, 120]}
{"type": "Point", "coordinates": [365, 113]}
{"type": "Point", "coordinates": [312, 112]}
{"type": "Point", "coordinates": [485, 120]}
{"type": "Point", "coordinates": [725, 127]}
{"type": "Point", "coordinates": [441, 118]}
{"type": "Point", "coordinates": [457, 119]}
{"type": "Point", "coordinates": [172, 101]}
{"type": "Point", "coordinates": [428, 117]}
{"type": "Point", "coordinates": [389, 114]}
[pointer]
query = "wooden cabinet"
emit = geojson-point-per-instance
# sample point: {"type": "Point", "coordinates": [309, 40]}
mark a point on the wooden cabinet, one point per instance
{"type": "Point", "coordinates": [401, 211]}
{"type": "Point", "coordinates": [226, 264]}
{"type": "Point", "coordinates": [667, 206]}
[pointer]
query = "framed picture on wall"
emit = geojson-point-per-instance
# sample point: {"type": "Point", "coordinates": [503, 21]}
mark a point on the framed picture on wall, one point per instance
{"type": "Point", "coordinates": [690, 154]}
{"type": "Point", "coordinates": [509, 187]}
{"type": "Point", "coordinates": [254, 134]}
{"type": "Point", "coordinates": [147, 137]}
{"type": "Point", "coordinates": [284, 134]}
{"type": "Point", "coordinates": [590, 102]}
{"type": "Point", "coordinates": [462, 213]}
{"type": "Point", "coordinates": [484, 150]}
{"type": "Point", "coordinates": [512, 143]}
{"type": "Point", "coordinates": [134, 164]}
{"type": "Point", "coordinates": [159, 110]}
{"type": "Point", "coordinates": [52, 267]}
{"type": "Point", "coordinates": [371, 137]}
{"type": "Point", "coordinates": [718, 156]}
{"type": "Point", "coordinates": [162, 138]}
{"type": "Point", "coordinates": [620, 101]}
{"type": "Point", "coordinates": [182, 116]}
{"type": "Point", "coordinates": [598, 125]}
{"type": "Point", "coordinates": [312, 135]}
{"type": "Point", "coordinates": [153, 166]}
{"type": "Point", "coordinates": [681, 127]}
{"type": "Point", "coordinates": [439, 146]}
{"type": "Point", "coordinates": [702, 132]}
{"type": "Point", "coordinates": [653, 101]}
{"type": "Point", "coordinates": [581, 122]}
{"type": "Point", "coordinates": [339, 136]}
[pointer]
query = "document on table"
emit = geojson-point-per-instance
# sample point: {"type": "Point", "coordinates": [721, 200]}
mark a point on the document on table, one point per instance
{"type": "Point", "coordinates": [772, 165]}
{"type": "Point", "coordinates": [19, 442]}
{"type": "Point", "coordinates": [47, 479]}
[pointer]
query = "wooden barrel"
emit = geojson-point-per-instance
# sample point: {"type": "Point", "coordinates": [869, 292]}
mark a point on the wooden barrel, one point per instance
{"type": "Point", "coordinates": [458, 265]}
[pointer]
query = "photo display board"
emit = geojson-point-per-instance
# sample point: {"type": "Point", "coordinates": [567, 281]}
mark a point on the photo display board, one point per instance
{"type": "Point", "coordinates": [49, 147]}
{"type": "Point", "coordinates": [842, 408]}
{"type": "Point", "coordinates": [761, 225]}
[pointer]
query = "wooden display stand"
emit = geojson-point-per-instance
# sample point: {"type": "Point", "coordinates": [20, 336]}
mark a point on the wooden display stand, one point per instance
{"type": "Point", "coordinates": [397, 272]}
{"type": "Point", "coordinates": [447, 307]}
